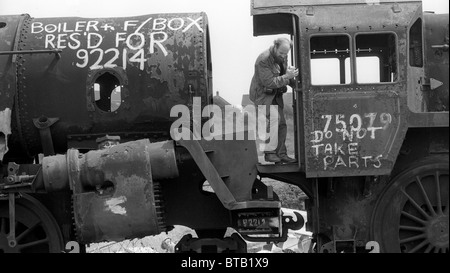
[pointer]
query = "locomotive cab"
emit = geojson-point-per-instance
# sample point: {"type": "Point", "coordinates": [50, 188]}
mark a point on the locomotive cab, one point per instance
{"type": "Point", "coordinates": [370, 103]}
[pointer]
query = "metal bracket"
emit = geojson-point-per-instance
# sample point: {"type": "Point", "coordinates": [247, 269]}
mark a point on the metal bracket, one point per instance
{"type": "Point", "coordinates": [349, 240]}
{"type": "Point", "coordinates": [429, 83]}
{"type": "Point", "coordinates": [12, 221]}
{"type": "Point", "coordinates": [43, 124]}
{"type": "Point", "coordinates": [13, 181]}
{"type": "Point", "coordinates": [443, 47]}
{"type": "Point", "coordinates": [396, 8]}
{"type": "Point", "coordinates": [210, 173]}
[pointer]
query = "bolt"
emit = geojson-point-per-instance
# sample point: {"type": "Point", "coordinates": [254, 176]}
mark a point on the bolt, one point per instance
{"type": "Point", "coordinates": [12, 243]}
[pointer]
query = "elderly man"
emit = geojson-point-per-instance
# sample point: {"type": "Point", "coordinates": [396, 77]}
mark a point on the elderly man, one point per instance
{"type": "Point", "coordinates": [268, 85]}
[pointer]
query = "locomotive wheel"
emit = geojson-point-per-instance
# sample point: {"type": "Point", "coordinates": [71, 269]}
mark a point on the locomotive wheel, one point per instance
{"type": "Point", "coordinates": [36, 229]}
{"type": "Point", "coordinates": [412, 212]}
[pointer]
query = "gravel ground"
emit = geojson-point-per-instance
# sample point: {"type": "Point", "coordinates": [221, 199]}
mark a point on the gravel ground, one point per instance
{"type": "Point", "coordinates": [297, 242]}
{"type": "Point", "coordinates": [149, 244]}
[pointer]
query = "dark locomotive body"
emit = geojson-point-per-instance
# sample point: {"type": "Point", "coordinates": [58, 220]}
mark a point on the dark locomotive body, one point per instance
{"type": "Point", "coordinates": [87, 154]}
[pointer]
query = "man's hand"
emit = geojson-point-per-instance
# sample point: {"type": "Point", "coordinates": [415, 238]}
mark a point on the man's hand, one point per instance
{"type": "Point", "coordinates": [291, 72]}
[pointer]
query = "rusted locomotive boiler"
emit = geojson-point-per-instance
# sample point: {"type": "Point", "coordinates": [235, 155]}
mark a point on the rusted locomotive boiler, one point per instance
{"type": "Point", "coordinates": [82, 78]}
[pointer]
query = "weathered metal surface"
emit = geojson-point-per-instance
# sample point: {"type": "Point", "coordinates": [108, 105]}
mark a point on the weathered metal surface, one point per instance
{"type": "Point", "coordinates": [210, 172]}
{"type": "Point", "coordinates": [261, 4]}
{"type": "Point", "coordinates": [336, 147]}
{"type": "Point", "coordinates": [55, 173]}
{"type": "Point", "coordinates": [436, 52]}
{"type": "Point", "coordinates": [163, 160]}
{"type": "Point", "coordinates": [157, 60]}
{"type": "Point", "coordinates": [5, 131]}
{"type": "Point", "coordinates": [9, 27]}
{"type": "Point", "coordinates": [44, 124]}
{"type": "Point", "coordinates": [316, 14]}
{"type": "Point", "coordinates": [232, 182]}
{"type": "Point", "coordinates": [187, 204]}
{"type": "Point", "coordinates": [235, 161]}
{"type": "Point", "coordinates": [428, 119]}
{"type": "Point", "coordinates": [114, 195]}
{"type": "Point", "coordinates": [357, 129]}
{"type": "Point", "coordinates": [354, 129]}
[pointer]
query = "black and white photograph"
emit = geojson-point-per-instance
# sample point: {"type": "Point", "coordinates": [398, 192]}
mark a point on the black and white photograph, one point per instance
{"type": "Point", "coordinates": [224, 135]}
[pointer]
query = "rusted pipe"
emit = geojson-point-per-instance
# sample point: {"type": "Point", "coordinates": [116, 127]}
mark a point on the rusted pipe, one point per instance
{"type": "Point", "coordinates": [86, 168]}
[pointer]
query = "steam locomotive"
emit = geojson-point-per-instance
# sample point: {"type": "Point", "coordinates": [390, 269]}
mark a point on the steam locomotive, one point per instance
{"type": "Point", "coordinates": [87, 152]}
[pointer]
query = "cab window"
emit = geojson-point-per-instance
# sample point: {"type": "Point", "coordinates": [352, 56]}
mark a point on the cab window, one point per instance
{"type": "Point", "coordinates": [328, 55]}
{"type": "Point", "coordinates": [376, 58]}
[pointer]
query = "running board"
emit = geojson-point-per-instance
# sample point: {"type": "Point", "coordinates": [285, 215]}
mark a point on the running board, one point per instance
{"type": "Point", "coordinates": [279, 168]}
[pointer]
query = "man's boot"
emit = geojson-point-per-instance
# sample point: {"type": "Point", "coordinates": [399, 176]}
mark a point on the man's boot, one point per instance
{"type": "Point", "coordinates": [287, 159]}
{"type": "Point", "coordinates": [271, 157]}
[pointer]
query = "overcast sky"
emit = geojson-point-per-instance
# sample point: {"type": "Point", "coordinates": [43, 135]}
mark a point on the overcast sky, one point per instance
{"type": "Point", "coordinates": [234, 49]}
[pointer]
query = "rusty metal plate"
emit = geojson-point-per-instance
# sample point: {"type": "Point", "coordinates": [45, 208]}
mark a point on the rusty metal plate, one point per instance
{"type": "Point", "coordinates": [352, 134]}
{"type": "Point", "coordinates": [114, 195]}
{"type": "Point", "coordinates": [436, 64]}
{"type": "Point", "coordinates": [9, 26]}
{"type": "Point", "coordinates": [289, 3]}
